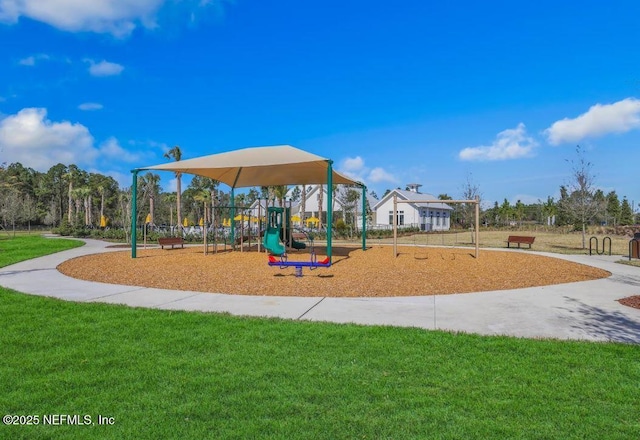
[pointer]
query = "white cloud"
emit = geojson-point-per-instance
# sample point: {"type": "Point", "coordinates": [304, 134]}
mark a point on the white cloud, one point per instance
{"type": "Point", "coordinates": [30, 138]}
{"type": "Point", "coordinates": [104, 68]}
{"type": "Point", "coordinates": [31, 61]}
{"type": "Point", "coordinates": [355, 168]}
{"type": "Point", "coordinates": [619, 117]}
{"type": "Point", "coordinates": [352, 164]}
{"type": "Point", "coordinates": [88, 106]}
{"type": "Point", "coordinates": [111, 149]}
{"type": "Point", "coordinates": [512, 143]}
{"type": "Point", "coordinates": [116, 17]}
{"type": "Point", "coordinates": [378, 175]}
{"type": "Point", "coordinates": [28, 61]}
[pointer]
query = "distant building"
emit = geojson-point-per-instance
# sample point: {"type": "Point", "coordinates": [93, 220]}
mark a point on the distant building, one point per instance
{"type": "Point", "coordinates": [425, 216]}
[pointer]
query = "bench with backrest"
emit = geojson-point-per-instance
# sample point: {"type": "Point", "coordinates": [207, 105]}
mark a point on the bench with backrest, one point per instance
{"type": "Point", "coordinates": [171, 241]}
{"type": "Point", "coordinates": [520, 240]}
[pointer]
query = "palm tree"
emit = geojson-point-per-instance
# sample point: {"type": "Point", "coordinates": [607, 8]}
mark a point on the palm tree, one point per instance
{"type": "Point", "coordinates": [170, 199]}
{"type": "Point", "coordinates": [176, 154]}
{"type": "Point", "coordinates": [280, 191]}
{"type": "Point", "coordinates": [204, 196]}
{"type": "Point", "coordinates": [303, 203]}
{"type": "Point", "coordinates": [71, 176]}
{"type": "Point", "coordinates": [150, 189]}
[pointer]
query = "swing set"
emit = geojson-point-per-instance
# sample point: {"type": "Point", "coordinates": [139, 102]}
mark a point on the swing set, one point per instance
{"type": "Point", "coordinates": [274, 238]}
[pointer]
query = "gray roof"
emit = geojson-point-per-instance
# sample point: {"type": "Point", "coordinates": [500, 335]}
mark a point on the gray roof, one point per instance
{"type": "Point", "coordinates": [410, 195]}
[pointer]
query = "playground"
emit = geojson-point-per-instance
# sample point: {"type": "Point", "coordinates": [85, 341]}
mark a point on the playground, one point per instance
{"type": "Point", "coordinates": [417, 271]}
{"type": "Point", "coordinates": [291, 268]}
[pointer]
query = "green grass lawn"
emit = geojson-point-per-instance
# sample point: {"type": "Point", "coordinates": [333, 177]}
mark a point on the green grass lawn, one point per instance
{"type": "Point", "coordinates": [545, 241]}
{"type": "Point", "coordinates": [23, 247]}
{"type": "Point", "coordinates": [162, 374]}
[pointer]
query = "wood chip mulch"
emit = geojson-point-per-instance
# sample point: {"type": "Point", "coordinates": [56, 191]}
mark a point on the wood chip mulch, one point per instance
{"type": "Point", "coordinates": [631, 301]}
{"type": "Point", "coordinates": [354, 273]}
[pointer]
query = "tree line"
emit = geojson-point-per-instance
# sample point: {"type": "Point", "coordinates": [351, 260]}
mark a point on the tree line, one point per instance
{"type": "Point", "coordinates": [69, 197]}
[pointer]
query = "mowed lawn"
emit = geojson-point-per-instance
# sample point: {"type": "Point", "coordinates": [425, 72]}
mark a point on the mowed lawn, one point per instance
{"type": "Point", "coordinates": [562, 243]}
{"type": "Point", "coordinates": [162, 374]}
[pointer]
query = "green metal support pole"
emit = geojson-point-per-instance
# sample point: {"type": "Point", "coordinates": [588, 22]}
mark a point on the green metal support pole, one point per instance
{"type": "Point", "coordinates": [233, 220]}
{"type": "Point", "coordinates": [364, 218]}
{"type": "Point", "coordinates": [329, 207]}
{"type": "Point", "coordinates": [134, 213]}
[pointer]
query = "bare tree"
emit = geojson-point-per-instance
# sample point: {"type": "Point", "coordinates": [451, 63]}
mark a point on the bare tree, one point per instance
{"type": "Point", "coordinates": [580, 203]}
{"type": "Point", "coordinates": [470, 191]}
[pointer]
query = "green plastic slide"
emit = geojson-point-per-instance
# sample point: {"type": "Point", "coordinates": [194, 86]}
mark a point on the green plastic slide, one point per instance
{"type": "Point", "coordinates": [271, 241]}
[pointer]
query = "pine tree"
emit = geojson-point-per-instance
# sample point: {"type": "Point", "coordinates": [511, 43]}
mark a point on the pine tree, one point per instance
{"type": "Point", "coordinates": [626, 213]}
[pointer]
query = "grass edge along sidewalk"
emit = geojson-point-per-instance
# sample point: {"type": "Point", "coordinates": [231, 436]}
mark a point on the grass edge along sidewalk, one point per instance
{"type": "Point", "coordinates": [163, 374]}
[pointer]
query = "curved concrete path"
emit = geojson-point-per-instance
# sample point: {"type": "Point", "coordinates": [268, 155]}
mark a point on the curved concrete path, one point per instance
{"type": "Point", "coordinates": [585, 310]}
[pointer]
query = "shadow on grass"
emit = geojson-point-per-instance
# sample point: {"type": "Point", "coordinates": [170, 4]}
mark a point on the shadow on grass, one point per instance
{"type": "Point", "coordinates": [611, 325]}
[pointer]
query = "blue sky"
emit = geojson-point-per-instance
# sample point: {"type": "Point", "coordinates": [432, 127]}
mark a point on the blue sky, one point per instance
{"type": "Point", "coordinates": [427, 92]}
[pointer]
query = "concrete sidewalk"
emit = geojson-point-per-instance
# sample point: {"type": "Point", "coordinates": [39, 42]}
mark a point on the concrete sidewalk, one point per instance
{"type": "Point", "coordinates": [584, 311]}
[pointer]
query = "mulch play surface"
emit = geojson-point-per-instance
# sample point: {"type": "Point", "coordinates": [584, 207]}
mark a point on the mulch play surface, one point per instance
{"type": "Point", "coordinates": [355, 273]}
{"type": "Point", "coordinates": [631, 301]}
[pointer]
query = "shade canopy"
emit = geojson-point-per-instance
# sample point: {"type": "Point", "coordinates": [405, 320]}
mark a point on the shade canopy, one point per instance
{"type": "Point", "coordinates": [259, 166]}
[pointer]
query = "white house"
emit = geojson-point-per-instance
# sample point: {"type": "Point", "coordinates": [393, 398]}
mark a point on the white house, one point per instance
{"type": "Point", "coordinates": [311, 204]}
{"type": "Point", "coordinates": [426, 216]}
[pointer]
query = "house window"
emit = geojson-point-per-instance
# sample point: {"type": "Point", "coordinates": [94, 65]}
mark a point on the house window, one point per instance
{"type": "Point", "coordinates": [400, 218]}
{"type": "Point", "coordinates": [438, 218]}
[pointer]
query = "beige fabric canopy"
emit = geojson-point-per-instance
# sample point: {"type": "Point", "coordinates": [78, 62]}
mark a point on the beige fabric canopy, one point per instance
{"type": "Point", "coordinates": [259, 166]}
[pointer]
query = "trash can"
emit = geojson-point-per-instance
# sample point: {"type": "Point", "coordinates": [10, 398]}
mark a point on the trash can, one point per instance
{"type": "Point", "coordinates": [634, 246]}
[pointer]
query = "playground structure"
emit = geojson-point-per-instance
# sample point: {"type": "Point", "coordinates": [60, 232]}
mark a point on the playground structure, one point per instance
{"type": "Point", "coordinates": [258, 166]}
{"type": "Point", "coordinates": [277, 233]}
{"type": "Point", "coordinates": [594, 239]}
{"type": "Point", "coordinates": [246, 227]}
{"type": "Point", "coordinates": [475, 202]}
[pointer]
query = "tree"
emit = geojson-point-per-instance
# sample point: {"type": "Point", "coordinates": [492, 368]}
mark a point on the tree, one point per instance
{"type": "Point", "coordinates": [470, 191]}
{"type": "Point", "coordinates": [280, 192]}
{"type": "Point", "coordinates": [252, 196]}
{"type": "Point", "coordinates": [349, 199]}
{"type": "Point", "coordinates": [519, 211]}
{"type": "Point", "coordinates": [580, 203]}
{"type": "Point", "coordinates": [204, 196]}
{"type": "Point", "coordinates": [176, 154]}
{"type": "Point", "coordinates": [71, 176]}
{"type": "Point", "coordinates": [320, 205]}
{"type": "Point", "coordinates": [150, 187]}
{"type": "Point", "coordinates": [295, 194]}
{"type": "Point", "coordinates": [334, 193]}
{"type": "Point", "coordinates": [613, 208]}
{"type": "Point", "coordinates": [626, 213]}
{"type": "Point", "coordinates": [549, 210]}
{"type": "Point", "coordinates": [505, 211]}
{"type": "Point", "coordinates": [303, 204]}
